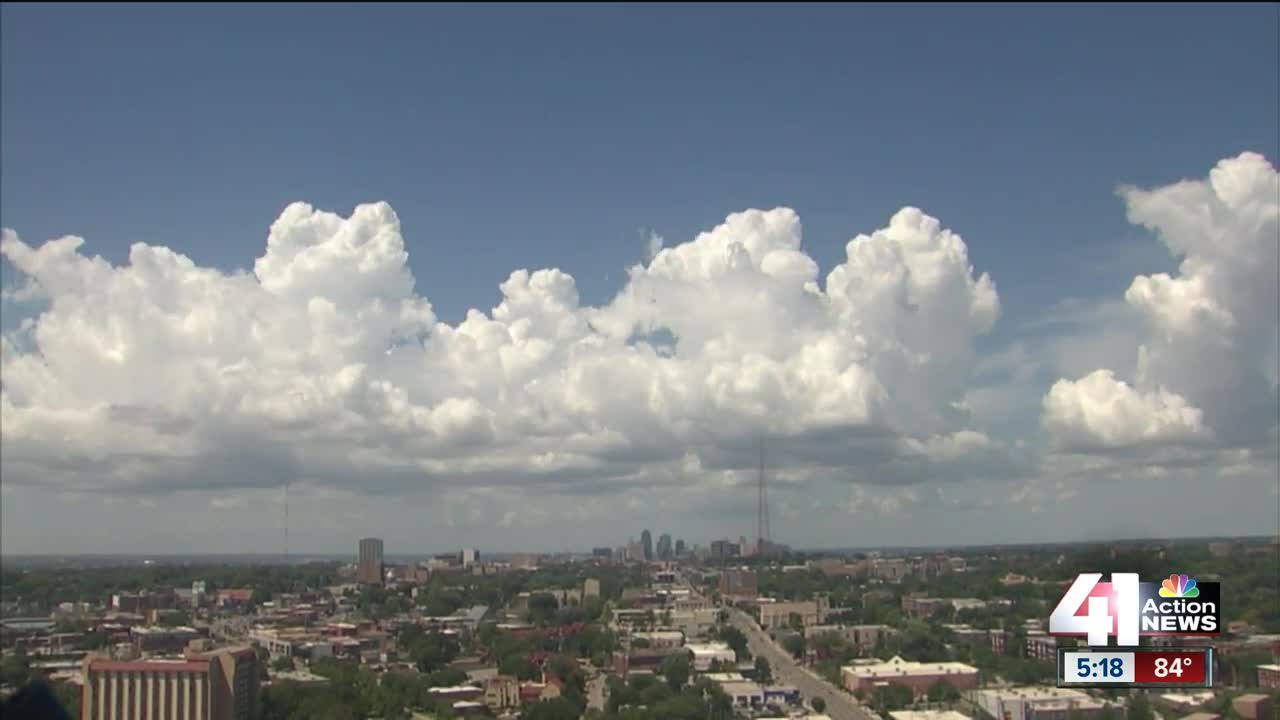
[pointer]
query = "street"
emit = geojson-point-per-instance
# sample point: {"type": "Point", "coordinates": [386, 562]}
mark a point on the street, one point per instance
{"type": "Point", "coordinates": [596, 695]}
{"type": "Point", "coordinates": [786, 671]}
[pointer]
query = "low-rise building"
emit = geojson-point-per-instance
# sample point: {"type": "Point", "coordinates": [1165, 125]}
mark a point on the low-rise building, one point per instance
{"type": "Point", "coordinates": [892, 570]}
{"type": "Point", "coordinates": [781, 694]}
{"type": "Point", "coordinates": [456, 693]}
{"type": "Point", "coordinates": [704, 654]}
{"type": "Point", "coordinates": [658, 639]}
{"type": "Point", "coordinates": [920, 606]}
{"type": "Point", "coordinates": [928, 715]}
{"type": "Point", "coordinates": [693, 622]}
{"type": "Point", "coordinates": [836, 567]}
{"type": "Point", "coordinates": [1042, 646]}
{"type": "Point", "coordinates": [1187, 701]}
{"type": "Point", "coordinates": [744, 694]}
{"type": "Point", "coordinates": [775, 615]}
{"type": "Point", "coordinates": [502, 693]}
{"type": "Point", "coordinates": [863, 637]}
{"type": "Point", "coordinates": [1254, 706]}
{"type": "Point", "coordinates": [1269, 677]}
{"type": "Point", "coordinates": [1042, 703]}
{"type": "Point", "coordinates": [628, 618]}
{"type": "Point", "coordinates": [738, 583]}
{"type": "Point", "coordinates": [917, 676]}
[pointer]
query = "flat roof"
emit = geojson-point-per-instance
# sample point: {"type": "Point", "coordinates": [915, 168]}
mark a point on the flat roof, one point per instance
{"type": "Point", "coordinates": [454, 689]}
{"type": "Point", "coordinates": [148, 666]}
{"type": "Point", "coordinates": [928, 715]}
{"type": "Point", "coordinates": [1038, 692]}
{"type": "Point", "coordinates": [742, 688]}
{"type": "Point", "coordinates": [898, 666]}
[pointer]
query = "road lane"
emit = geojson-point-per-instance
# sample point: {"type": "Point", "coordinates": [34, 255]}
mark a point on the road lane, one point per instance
{"type": "Point", "coordinates": [840, 706]}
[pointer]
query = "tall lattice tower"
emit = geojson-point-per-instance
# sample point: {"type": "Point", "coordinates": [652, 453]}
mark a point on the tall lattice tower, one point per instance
{"type": "Point", "coordinates": [286, 522]}
{"type": "Point", "coordinates": [762, 509]}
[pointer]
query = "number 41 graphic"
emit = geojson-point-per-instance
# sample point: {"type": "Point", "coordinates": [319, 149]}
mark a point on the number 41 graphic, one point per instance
{"type": "Point", "coordinates": [1116, 600]}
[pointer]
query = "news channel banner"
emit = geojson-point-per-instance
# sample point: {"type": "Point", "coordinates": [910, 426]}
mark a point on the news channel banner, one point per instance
{"type": "Point", "coordinates": [1128, 609]}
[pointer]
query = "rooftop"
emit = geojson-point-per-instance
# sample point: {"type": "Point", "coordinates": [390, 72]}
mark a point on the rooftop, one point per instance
{"type": "Point", "coordinates": [449, 690]}
{"type": "Point", "coordinates": [928, 715]}
{"type": "Point", "coordinates": [1043, 694]}
{"type": "Point", "coordinates": [710, 647]}
{"type": "Point", "coordinates": [1188, 698]}
{"type": "Point", "coordinates": [898, 666]}
{"type": "Point", "coordinates": [741, 688]}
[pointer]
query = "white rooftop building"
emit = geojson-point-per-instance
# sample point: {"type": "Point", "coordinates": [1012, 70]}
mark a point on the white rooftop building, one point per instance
{"type": "Point", "coordinates": [744, 694]}
{"type": "Point", "coordinates": [706, 653]}
{"type": "Point", "coordinates": [928, 715]}
{"type": "Point", "coordinates": [1041, 703]}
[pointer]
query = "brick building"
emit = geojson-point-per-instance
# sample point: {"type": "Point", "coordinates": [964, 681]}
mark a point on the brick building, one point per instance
{"type": "Point", "coordinates": [220, 685]}
{"type": "Point", "coordinates": [917, 676]}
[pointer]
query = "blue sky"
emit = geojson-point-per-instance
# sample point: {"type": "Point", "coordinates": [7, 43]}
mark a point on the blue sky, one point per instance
{"type": "Point", "coordinates": [557, 136]}
{"type": "Point", "coordinates": [530, 136]}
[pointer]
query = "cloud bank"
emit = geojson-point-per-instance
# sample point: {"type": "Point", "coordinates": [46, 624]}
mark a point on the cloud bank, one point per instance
{"type": "Point", "coordinates": [326, 366]}
{"type": "Point", "coordinates": [1207, 363]}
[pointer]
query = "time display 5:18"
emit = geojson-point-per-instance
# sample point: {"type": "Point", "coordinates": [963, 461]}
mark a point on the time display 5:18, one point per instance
{"type": "Point", "coordinates": [1096, 667]}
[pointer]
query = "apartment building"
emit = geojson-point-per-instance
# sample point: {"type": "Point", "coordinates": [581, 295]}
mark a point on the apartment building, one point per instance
{"type": "Point", "coordinates": [219, 685]}
{"type": "Point", "coordinates": [369, 568]}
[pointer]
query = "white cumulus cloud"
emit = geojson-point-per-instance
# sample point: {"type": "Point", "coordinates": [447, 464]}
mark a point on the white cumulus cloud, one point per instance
{"type": "Point", "coordinates": [1207, 359]}
{"type": "Point", "coordinates": [327, 366]}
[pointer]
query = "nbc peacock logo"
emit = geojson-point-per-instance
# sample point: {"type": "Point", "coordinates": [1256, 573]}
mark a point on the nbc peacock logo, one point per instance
{"type": "Point", "coordinates": [1179, 586]}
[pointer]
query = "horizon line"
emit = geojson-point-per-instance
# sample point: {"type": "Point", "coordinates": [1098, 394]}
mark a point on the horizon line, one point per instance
{"type": "Point", "coordinates": [830, 548]}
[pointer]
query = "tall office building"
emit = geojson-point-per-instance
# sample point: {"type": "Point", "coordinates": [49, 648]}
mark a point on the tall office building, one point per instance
{"type": "Point", "coordinates": [646, 542]}
{"type": "Point", "coordinates": [369, 570]}
{"type": "Point", "coordinates": [470, 556]}
{"type": "Point", "coordinates": [664, 547]}
{"type": "Point", "coordinates": [219, 685]}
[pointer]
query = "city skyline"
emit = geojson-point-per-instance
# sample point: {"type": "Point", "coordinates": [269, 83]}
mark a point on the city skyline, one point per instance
{"type": "Point", "coordinates": [494, 305]}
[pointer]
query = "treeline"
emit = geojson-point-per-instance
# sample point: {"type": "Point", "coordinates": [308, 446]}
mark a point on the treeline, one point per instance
{"type": "Point", "coordinates": [42, 589]}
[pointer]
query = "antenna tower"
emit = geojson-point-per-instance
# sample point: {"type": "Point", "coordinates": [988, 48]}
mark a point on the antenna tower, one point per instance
{"type": "Point", "coordinates": [762, 509]}
{"type": "Point", "coordinates": [286, 522]}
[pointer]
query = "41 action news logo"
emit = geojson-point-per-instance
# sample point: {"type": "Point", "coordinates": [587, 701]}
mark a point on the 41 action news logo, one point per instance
{"type": "Point", "coordinates": [1128, 609]}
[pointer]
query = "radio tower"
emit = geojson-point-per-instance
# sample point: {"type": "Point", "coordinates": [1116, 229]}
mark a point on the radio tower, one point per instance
{"type": "Point", "coordinates": [286, 522]}
{"type": "Point", "coordinates": [762, 509]}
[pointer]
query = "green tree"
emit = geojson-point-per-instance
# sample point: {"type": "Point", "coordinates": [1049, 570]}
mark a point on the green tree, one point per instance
{"type": "Point", "coordinates": [428, 650]}
{"type": "Point", "coordinates": [15, 671]}
{"type": "Point", "coordinates": [943, 691]}
{"type": "Point", "coordinates": [1139, 708]}
{"type": "Point", "coordinates": [891, 697]}
{"type": "Point", "coordinates": [68, 695]}
{"type": "Point", "coordinates": [282, 664]}
{"type": "Point", "coordinates": [593, 608]}
{"type": "Point", "coordinates": [542, 608]}
{"type": "Point", "coordinates": [794, 644]}
{"type": "Point", "coordinates": [764, 673]}
{"type": "Point", "coordinates": [819, 705]}
{"type": "Point", "coordinates": [557, 709]}
{"type": "Point", "coordinates": [736, 640]}
{"type": "Point", "coordinates": [519, 666]}
{"type": "Point", "coordinates": [675, 668]}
